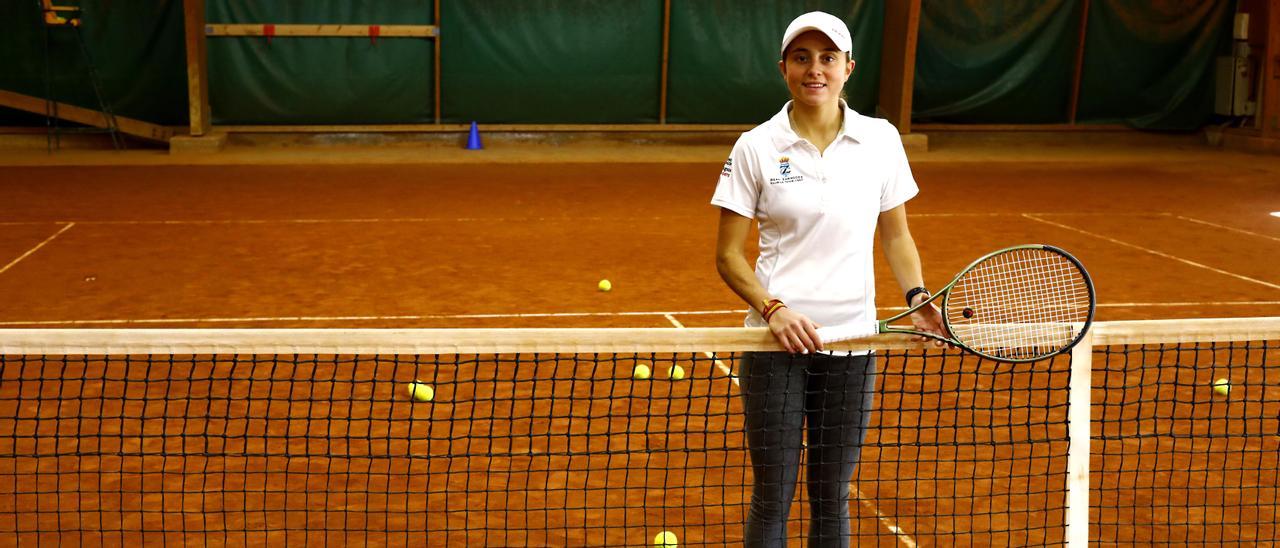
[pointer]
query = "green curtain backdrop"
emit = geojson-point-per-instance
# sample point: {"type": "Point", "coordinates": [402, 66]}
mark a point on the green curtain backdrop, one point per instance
{"type": "Point", "coordinates": [548, 61]}
{"type": "Point", "coordinates": [1147, 63]}
{"type": "Point", "coordinates": [1150, 64]}
{"type": "Point", "coordinates": [995, 62]}
{"type": "Point", "coordinates": [137, 48]}
{"type": "Point", "coordinates": [723, 65]}
{"type": "Point", "coordinates": [305, 80]}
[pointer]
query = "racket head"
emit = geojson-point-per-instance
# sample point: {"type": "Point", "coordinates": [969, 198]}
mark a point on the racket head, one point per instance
{"type": "Point", "coordinates": [1020, 304]}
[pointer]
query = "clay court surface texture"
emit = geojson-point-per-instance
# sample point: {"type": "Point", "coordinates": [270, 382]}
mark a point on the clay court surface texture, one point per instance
{"type": "Point", "coordinates": [518, 235]}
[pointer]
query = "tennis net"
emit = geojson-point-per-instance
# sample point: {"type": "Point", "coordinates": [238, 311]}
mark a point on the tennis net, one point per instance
{"type": "Point", "coordinates": [545, 437]}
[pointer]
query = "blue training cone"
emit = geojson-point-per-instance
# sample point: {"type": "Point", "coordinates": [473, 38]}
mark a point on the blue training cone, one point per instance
{"type": "Point", "coordinates": [473, 139]}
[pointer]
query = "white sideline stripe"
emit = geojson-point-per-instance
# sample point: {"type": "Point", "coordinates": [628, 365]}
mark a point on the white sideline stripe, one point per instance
{"type": "Point", "coordinates": [367, 318]}
{"type": "Point", "coordinates": [888, 523]}
{"type": "Point", "coordinates": [727, 372]}
{"type": "Point", "coordinates": [1154, 252]}
{"type": "Point", "coordinates": [334, 221]}
{"type": "Point", "coordinates": [479, 219]}
{"type": "Point", "coordinates": [1231, 228]}
{"type": "Point", "coordinates": [36, 248]}
{"type": "Point", "coordinates": [903, 537]}
{"type": "Point", "coordinates": [529, 315]}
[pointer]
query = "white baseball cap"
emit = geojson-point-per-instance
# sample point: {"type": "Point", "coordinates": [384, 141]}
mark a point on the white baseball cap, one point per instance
{"type": "Point", "coordinates": [823, 22]}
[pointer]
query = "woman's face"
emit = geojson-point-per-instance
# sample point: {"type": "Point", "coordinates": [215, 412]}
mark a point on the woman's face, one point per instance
{"type": "Point", "coordinates": [815, 71]}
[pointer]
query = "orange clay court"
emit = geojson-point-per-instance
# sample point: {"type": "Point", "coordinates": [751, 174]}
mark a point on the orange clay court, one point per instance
{"type": "Point", "coordinates": [384, 239]}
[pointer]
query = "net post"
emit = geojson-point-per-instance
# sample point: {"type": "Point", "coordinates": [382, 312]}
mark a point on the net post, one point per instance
{"type": "Point", "coordinates": [1077, 533]}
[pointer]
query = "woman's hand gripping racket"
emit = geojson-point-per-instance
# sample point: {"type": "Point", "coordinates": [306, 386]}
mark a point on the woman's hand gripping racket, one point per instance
{"type": "Point", "coordinates": [1019, 304]}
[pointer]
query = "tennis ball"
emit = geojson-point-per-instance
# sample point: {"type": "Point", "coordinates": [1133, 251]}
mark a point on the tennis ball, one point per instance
{"type": "Point", "coordinates": [665, 539]}
{"type": "Point", "coordinates": [420, 392]}
{"type": "Point", "coordinates": [640, 372]}
{"type": "Point", "coordinates": [604, 285]}
{"type": "Point", "coordinates": [1222, 387]}
{"type": "Point", "coordinates": [676, 373]}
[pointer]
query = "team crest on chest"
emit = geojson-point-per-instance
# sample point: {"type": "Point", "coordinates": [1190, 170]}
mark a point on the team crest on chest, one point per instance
{"type": "Point", "coordinates": [786, 174]}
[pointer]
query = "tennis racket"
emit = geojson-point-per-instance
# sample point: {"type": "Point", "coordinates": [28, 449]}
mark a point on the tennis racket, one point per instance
{"type": "Point", "coordinates": [1019, 304]}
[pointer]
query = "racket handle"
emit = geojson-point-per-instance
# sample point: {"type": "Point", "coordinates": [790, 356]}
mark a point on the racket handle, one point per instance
{"type": "Point", "coordinates": [847, 332]}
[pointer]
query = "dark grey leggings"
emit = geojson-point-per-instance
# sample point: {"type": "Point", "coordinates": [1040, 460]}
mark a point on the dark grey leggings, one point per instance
{"type": "Point", "coordinates": [784, 396]}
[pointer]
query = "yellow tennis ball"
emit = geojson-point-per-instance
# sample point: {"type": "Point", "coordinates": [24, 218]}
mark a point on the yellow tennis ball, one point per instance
{"type": "Point", "coordinates": [420, 392]}
{"type": "Point", "coordinates": [640, 372]}
{"type": "Point", "coordinates": [1222, 387]}
{"type": "Point", "coordinates": [666, 539]}
{"type": "Point", "coordinates": [605, 285]}
{"type": "Point", "coordinates": [675, 373]}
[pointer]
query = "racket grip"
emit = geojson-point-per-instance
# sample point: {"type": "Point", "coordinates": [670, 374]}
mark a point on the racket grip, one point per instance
{"type": "Point", "coordinates": [847, 332]}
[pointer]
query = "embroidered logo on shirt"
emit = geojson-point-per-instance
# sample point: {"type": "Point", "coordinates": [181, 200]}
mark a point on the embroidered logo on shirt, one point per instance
{"type": "Point", "coordinates": [784, 169]}
{"type": "Point", "coordinates": [728, 168]}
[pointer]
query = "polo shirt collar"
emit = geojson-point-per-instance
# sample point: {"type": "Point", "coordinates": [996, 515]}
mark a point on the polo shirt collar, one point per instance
{"type": "Point", "coordinates": [785, 137]}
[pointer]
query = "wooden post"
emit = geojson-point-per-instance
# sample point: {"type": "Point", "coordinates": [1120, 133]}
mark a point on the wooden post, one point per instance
{"type": "Point", "coordinates": [436, 66]}
{"type": "Point", "coordinates": [666, 49]}
{"type": "Point", "coordinates": [898, 61]}
{"type": "Point", "coordinates": [197, 66]}
{"type": "Point", "coordinates": [1269, 105]}
{"type": "Point", "coordinates": [1079, 72]}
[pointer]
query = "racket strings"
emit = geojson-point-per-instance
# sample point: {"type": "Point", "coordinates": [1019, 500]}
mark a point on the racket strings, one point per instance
{"type": "Point", "coordinates": [1019, 305]}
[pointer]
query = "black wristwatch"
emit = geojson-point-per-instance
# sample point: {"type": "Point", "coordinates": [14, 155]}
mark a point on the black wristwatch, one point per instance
{"type": "Point", "coordinates": [911, 294]}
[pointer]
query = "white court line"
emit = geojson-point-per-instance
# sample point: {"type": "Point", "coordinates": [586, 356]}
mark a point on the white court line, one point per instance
{"type": "Point", "coordinates": [1154, 252]}
{"type": "Point", "coordinates": [333, 221]}
{"type": "Point", "coordinates": [1224, 227]}
{"type": "Point", "coordinates": [37, 247]}
{"type": "Point", "coordinates": [528, 315]}
{"type": "Point", "coordinates": [485, 219]}
{"type": "Point", "coordinates": [727, 371]}
{"type": "Point", "coordinates": [888, 523]}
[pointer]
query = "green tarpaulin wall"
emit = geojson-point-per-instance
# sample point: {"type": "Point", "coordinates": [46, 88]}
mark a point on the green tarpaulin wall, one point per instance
{"type": "Point", "coordinates": [329, 80]}
{"type": "Point", "coordinates": [137, 47]}
{"type": "Point", "coordinates": [1147, 64]}
{"type": "Point", "coordinates": [724, 57]}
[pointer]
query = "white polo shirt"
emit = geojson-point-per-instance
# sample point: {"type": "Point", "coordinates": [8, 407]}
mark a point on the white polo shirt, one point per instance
{"type": "Point", "coordinates": [817, 212]}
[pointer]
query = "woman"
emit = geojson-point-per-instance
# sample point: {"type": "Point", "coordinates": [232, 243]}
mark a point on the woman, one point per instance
{"type": "Point", "coordinates": [820, 179]}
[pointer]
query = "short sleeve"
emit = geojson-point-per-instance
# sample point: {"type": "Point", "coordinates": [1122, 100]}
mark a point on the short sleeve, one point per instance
{"type": "Point", "coordinates": [739, 186]}
{"type": "Point", "coordinates": [899, 185]}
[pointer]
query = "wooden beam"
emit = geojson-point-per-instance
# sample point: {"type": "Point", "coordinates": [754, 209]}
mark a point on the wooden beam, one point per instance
{"type": "Point", "coordinates": [88, 117]}
{"type": "Point", "coordinates": [519, 128]}
{"type": "Point", "coordinates": [1023, 127]}
{"type": "Point", "coordinates": [898, 61]}
{"type": "Point", "coordinates": [1079, 70]}
{"type": "Point", "coordinates": [380, 31]}
{"type": "Point", "coordinates": [197, 67]}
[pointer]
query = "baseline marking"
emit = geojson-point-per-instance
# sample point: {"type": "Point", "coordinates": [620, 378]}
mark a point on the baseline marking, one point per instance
{"type": "Point", "coordinates": [1154, 252]}
{"type": "Point", "coordinates": [1224, 227]}
{"type": "Point", "coordinates": [486, 219]}
{"type": "Point", "coordinates": [36, 248]}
